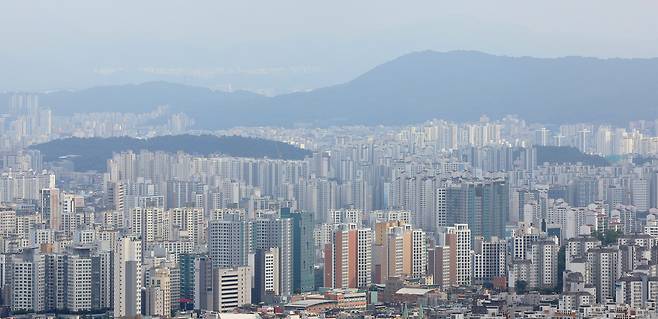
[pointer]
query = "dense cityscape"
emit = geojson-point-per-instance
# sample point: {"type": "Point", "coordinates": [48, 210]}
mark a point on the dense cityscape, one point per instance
{"type": "Point", "coordinates": [486, 219]}
{"type": "Point", "coordinates": [223, 159]}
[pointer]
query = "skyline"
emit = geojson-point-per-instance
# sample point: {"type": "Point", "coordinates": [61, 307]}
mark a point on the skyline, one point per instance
{"type": "Point", "coordinates": [328, 160]}
{"type": "Point", "coordinates": [245, 46]}
{"type": "Point", "coordinates": [458, 85]}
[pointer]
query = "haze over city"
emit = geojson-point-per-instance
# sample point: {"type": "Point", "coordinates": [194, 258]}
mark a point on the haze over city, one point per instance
{"type": "Point", "coordinates": [346, 159]}
{"type": "Point", "coordinates": [284, 46]}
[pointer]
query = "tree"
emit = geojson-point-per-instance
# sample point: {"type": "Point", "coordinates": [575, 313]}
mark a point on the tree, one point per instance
{"type": "Point", "coordinates": [521, 287]}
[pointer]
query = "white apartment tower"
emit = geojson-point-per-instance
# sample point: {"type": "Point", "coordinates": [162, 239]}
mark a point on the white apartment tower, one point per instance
{"type": "Point", "coordinates": [489, 259]}
{"type": "Point", "coordinates": [603, 264]}
{"type": "Point", "coordinates": [190, 220]}
{"type": "Point", "coordinates": [26, 280]}
{"type": "Point", "coordinates": [462, 248]}
{"type": "Point", "coordinates": [544, 264]}
{"type": "Point", "coordinates": [78, 283]}
{"type": "Point", "coordinates": [127, 278]}
{"type": "Point", "coordinates": [148, 223]}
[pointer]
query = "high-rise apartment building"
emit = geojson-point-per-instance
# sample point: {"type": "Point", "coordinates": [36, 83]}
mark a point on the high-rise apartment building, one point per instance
{"type": "Point", "coordinates": [158, 293]}
{"type": "Point", "coordinates": [482, 204]}
{"type": "Point", "coordinates": [78, 283]}
{"type": "Point", "coordinates": [348, 258]}
{"type": "Point", "coordinates": [303, 250]}
{"type": "Point", "coordinates": [49, 206]}
{"type": "Point", "coordinates": [229, 241]}
{"type": "Point", "coordinates": [148, 224]}
{"type": "Point", "coordinates": [398, 250]}
{"type": "Point", "coordinates": [127, 278]}
{"type": "Point", "coordinates": [603, 264]}
{"type": "Point", "coordinates": [203, 283]}
{"type": "Point", "coordinates": [388, 251]}
{"type": "Point", "coordinates": [272, 231]}
{"type": "Point", "coordinates": [544, 260]}
{"type": "Point", "coordinates": [489, 259]}
{"type": "Point", "coordinates": [267, 281]}
{"type": "Point", "coordinates": [457, 239]}
{"type": "Point", "coordinates": [190, 220]}
{"type": "Point", "coordinates": [26, 281]}
{"type": "Point", "coordinates": [440, 265]}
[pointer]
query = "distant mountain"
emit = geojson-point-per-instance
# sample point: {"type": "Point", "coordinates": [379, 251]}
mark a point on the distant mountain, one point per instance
{"type": "Point", "coordinates": [465, 85]}
{"type": "Point", "coordinates": [209, 108]}
{"type": "Point", "coordinates": [415, 87]}
{"type": "Point", "coordinates": [92, 153]}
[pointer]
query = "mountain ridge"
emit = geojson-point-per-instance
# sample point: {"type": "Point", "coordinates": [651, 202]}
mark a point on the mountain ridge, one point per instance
{"type": "Point", "coordinates": [455, 85]}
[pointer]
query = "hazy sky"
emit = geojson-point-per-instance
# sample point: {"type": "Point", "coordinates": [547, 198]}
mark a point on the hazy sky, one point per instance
{"type": "Point", "coordinates": [282, 45]}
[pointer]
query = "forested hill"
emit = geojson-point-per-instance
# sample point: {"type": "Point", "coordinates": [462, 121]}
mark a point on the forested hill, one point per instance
{"type": "Point", "coordinates": [92, 153]}
{"type": "Point", "coordinates": [567, 155]}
